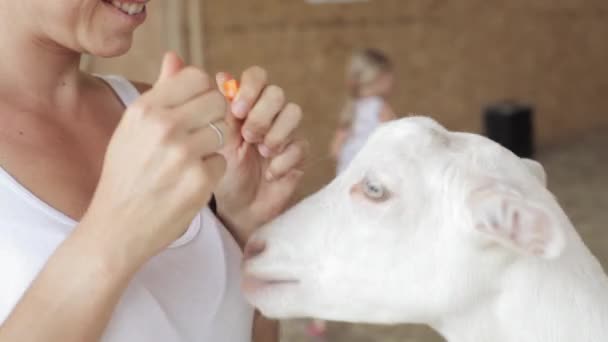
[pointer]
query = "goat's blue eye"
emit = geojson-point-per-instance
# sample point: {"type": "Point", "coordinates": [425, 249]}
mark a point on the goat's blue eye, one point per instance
{"type": "Point", "coordinates": [374, 190]}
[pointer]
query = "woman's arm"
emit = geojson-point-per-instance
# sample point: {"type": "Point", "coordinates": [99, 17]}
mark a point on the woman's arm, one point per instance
{"type": "Point", "coordinates": [338, 141]}
{"type": "Point", "coordinates": [387, 113]}
{"type": "Point", "coordinates": [73, 298]}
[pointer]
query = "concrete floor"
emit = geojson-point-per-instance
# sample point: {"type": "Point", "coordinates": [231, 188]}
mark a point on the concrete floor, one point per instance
{"type": "Point", "coordinates": [578, 176]}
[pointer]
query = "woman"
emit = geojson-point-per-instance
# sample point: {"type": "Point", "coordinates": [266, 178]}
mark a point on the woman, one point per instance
{"type": "Point", "coordinates": [117, 248]}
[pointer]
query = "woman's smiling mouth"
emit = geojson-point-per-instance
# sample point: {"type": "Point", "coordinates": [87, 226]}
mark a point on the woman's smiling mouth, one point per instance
{"type": "Point", "coordinates": [128, 7]}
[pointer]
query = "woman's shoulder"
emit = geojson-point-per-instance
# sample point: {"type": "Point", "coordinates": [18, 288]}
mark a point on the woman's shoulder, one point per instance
{"type": "Point", "coordinates": [127, 90]}
{"type": "Point", "coordinates": [122, 81]}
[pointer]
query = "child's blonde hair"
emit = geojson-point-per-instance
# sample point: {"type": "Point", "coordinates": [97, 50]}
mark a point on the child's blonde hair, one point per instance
{"type": "Point", "coordinates": [364, 68]}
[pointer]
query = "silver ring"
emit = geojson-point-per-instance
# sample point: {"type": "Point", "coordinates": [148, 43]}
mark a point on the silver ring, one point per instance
{"type": "Point", "coordinates": [220, 134]}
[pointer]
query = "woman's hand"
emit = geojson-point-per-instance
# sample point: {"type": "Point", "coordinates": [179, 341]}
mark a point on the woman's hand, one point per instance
{"type": "Point", "coordinates": [161, 165]}
{"type": "Point", "coordinates": [263, 162]}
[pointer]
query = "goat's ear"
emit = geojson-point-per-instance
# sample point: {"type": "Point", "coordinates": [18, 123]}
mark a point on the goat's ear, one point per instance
{"type": "Point", "coordinates": [505, 216]}
{"type": "Point", "coordinates": [536, 169]}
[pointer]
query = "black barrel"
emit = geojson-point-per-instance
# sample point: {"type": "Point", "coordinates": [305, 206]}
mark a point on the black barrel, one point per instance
{"type": "Point", "coordinates": [511, 125]}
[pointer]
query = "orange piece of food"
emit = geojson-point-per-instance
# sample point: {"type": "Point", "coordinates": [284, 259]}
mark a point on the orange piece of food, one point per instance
{"type": "Point", "coordinates": [231, 87]}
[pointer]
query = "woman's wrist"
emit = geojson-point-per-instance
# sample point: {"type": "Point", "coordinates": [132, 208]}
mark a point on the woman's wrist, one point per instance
{"type": "Point", "coordinates": [238, 225]}
{"type": "Point", "coordinates": [77, 289]}
{"type": "Point", "coordinates": [97, 239]}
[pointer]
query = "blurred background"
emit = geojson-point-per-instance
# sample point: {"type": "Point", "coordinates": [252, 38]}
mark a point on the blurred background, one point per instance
{"type": "Point", "coordinates": [452, 59]}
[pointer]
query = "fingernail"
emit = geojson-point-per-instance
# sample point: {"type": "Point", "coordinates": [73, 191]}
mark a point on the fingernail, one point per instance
{"type": "Point", "coordinates": [249, 136]}
{"type": "Point", "coordinates": [239, 109]}
{"type": "Point", "coordinates": [269, 175]}
{"type": "Point", "coordinates": [264, 151]}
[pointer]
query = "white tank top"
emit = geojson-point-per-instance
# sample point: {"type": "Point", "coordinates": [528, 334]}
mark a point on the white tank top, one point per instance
{"type": "Point", "coordinates": [365, 121]}
{"type": "Point", "coordinates": [188, 293]}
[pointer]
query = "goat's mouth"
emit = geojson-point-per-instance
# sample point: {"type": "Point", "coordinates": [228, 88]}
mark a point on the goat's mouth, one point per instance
{"type": "Point", "coordinates": [252, 284]}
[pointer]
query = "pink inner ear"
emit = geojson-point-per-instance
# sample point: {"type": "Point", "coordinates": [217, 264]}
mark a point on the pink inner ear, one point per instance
{"type": "Point", "coordinates": [527, 231]}
{"type": "Point", "coordinates": [515, 223]}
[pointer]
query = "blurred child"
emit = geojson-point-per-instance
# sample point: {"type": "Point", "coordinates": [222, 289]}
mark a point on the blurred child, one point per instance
{"type": "Point", "coordinates": [369, 80]}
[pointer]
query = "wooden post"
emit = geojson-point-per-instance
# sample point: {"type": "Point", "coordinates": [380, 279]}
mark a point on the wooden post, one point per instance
{"type": "Point", "coordinates": [174, 33]}
{"type": "Point", "coordinates": [195, 32]}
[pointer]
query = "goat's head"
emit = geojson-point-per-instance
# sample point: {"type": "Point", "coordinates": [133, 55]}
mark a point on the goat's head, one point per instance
{"type": "Point", "coordinates": [417, 226]}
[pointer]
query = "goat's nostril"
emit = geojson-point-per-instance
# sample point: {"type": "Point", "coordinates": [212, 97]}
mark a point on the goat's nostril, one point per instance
{"type": "Point", "coordinates": [254, 248]}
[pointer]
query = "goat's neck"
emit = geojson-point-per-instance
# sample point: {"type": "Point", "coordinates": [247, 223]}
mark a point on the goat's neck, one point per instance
{"type": "Point", "coordinates": [561, 303]}
{"type": "Point", "coordinates": [473, 326]}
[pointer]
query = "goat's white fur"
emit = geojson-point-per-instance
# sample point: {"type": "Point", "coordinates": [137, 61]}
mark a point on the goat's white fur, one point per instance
{"type": "Point", "coordinates": [469, 241]}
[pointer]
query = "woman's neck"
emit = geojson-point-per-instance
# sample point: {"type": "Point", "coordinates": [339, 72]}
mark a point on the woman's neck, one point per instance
{"type": "Point", "coordinates": [37, 74]}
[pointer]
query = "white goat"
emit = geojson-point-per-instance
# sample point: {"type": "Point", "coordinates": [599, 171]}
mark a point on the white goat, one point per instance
{"type": "Point", "coordinates": [433, 227]}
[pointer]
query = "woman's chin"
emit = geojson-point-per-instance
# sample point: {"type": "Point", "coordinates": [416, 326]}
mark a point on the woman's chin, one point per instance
{"type": "Point", "coordinates": [114, 49]}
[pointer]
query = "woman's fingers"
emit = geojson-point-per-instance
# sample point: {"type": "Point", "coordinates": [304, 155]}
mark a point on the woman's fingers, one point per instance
{"type": "Point", "coordinates": [215, 167]}
{"type": "Point", "coordinates": [221, 78]}
{"type": "Point", "coordinates": [177, 89]}
{"type": "Point", "coordinates": [261, 117]}
{"type": "Point", "coordinates": [282, 130]}
{"type": "Point", "coordinates": [171, 65]}
{"type": "Point", "coordinates": [267, 120]}
{"type": "Point", "coordinates": [203, 109]}
{"type": "Point", "coordinates": [289, 160]}
{"type": "Point", "coordinates": [253, 82]}
{"type": "Point", "coordinates": [210, 139]}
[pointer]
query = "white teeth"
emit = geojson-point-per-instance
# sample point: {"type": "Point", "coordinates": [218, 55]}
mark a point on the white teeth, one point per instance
{"type": "Point", "coordinates": [129, 8]}
{"type": "Point", "coordinates": [132, 9]}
